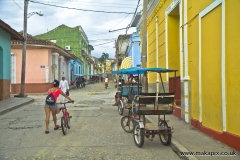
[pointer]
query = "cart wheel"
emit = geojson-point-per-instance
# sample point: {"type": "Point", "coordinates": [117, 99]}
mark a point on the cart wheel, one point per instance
{"type": "Point", "coordinates": [63, 126]}
{"type": "Point", "coordinates": [138, 135]}
{"type": "Point", "coordinates": [127, 124]}
{"type": "Point", "coordinates": [120, 107]}
{"type": "Point", "coordinates": [167, 136]}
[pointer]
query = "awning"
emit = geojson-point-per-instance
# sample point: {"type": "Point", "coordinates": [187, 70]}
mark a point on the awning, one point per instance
{"type": "Point", "coordinates": [136, 70]}
{"type": "Point", "coordinates": [79, 75]}
{"type": "Point", "coordinates": [127, 63]}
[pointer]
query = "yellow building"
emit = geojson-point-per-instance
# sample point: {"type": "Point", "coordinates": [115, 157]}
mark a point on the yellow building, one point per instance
{"type": "Point", "coordinates": [109, 66]}
{"type": "Point", "coordinates": [199, 38]}
{"type": "Point", "coordinates": [100, 68]}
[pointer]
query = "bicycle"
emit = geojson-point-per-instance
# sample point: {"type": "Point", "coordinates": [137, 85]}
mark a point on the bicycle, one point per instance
{"type": "Point", "coordinates": [129, 120]}
{"type": "Point", "coordinates": [65, 119]}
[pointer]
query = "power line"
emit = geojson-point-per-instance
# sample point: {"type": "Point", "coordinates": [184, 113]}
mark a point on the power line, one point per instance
{"type": "Point", "coordinates": [78, 8]}
{"type": "Point", "coordinates": [124, 18]}
{"type": "Point", "coordinates": [119, 22]}
{"type": "Point", "coordinates": [103, 43]}
{"type": "Point", "coordinates": [101, 4]}
{"type": "Point", "coordinates": [17, 4]}
{"type": "Point", "coordinates": [81, 1]}
{"type": "Point", "coordinates": [103, 39]}
{"type": "Point", "coordinates": [129, 24]}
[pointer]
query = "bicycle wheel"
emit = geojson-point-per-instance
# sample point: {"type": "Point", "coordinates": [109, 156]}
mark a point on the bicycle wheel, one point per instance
{"type": "Point", "coordinates": [167, 136]}
{"type": "Point", "coordinates": [68, 121]}
{"type": "Point", "coordinates": [127, 124]}
{"type": "Point", "coordinates": [138, 135]}
{"type": "Point", "coordinates": [64, 126]}
{"type": "Point", "coordinates": [120, 107]}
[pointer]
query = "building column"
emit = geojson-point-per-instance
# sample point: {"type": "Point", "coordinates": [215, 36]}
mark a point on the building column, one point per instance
{"type": "Point", "coordinates": [13, 68]}
{"type": "Point", "coordinates": [62, 69]}
{"type": "Point", "coordinates": [55, 66]}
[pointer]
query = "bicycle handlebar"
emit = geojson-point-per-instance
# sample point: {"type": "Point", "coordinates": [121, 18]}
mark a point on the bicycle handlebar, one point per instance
{"type": "Point", "coordinates": [65, 102]}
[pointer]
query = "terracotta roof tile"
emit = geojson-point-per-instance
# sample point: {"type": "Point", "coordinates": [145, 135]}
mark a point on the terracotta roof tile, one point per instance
{"type": "Point", "coordinates": [33, 40]}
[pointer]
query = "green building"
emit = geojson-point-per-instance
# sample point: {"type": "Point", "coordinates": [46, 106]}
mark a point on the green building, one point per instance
{"type": "Point", "coordinates": [75, 41]}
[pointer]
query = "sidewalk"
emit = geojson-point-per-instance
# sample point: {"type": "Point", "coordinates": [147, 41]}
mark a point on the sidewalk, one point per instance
{"type": "Point", "coordinates": [188, 139]}
{"type": "Point", "coordinates": [185, 138]}
{"type": "Point", "coordinates": [13, 103]}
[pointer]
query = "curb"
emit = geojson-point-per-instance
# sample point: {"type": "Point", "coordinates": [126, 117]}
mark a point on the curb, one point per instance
{"type": "Point", "coordinates": [15, 107]}
{"type": "Point", "coordinates": [176, 146]}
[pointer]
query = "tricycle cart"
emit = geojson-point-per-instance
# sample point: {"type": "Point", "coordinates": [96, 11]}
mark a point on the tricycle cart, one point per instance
{"type": "Point", "coordinates": [159, 103]}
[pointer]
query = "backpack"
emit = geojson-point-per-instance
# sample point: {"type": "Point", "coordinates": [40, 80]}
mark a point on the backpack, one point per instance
{"type": "Point", "coordinates": [50, 99]}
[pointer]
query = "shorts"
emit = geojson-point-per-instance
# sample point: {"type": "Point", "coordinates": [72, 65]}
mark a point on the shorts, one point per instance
{"type": "Point", "coordinates": [50, 106]}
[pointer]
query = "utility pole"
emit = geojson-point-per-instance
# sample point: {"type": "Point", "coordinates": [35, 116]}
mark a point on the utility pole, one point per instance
{"type": "Point", "coordinates": [144, 35]}
{"type": "Point", "coordinates": [144, 47]}
{"type": "Point", "coordinates": [24, 49]}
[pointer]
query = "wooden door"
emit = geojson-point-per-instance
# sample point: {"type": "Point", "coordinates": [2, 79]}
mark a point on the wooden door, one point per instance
{"type": "Point", "coordinates": [178, 89]}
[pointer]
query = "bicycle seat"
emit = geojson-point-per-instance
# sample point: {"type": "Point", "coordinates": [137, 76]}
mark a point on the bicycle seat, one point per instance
{"type": "Point", "coordinates": [63, 107]}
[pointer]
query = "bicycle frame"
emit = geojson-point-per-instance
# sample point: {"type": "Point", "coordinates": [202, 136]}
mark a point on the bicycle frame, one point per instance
{"type": "Point", "coordinates": [65, 119]}
{"type": "Point", "coordinates": [65, 113]}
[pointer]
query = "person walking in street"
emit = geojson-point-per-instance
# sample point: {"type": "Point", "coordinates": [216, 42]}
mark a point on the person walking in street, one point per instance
{"type": "Point", "coordinates": [106, 82]}
{"type": "Point", "coordinates": [55, 90]}
{"type": "Point", "coordinates": [64, 86]}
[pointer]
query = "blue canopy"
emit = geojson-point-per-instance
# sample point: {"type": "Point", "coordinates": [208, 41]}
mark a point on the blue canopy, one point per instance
{"type": "Point", "coordinates": [79, 75]}
{"type": "Point", "coordinates": [126, 71]}
{"type": "Point", "coordinates": [135, 70]}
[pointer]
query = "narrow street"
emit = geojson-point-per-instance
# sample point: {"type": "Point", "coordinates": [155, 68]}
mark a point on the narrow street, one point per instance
{"type": "Point", "coordinates": [95, 131]}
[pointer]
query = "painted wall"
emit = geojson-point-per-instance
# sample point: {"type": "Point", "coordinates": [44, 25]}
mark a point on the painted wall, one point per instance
{"type": "Point", "coordinates": [75, 68]}
{"type": "Point", "coordinates": [232, 49]}
{"type": "Point", "coordinates": [34, 60]}
{"type": "Point", "coordinates": [5, 56]}
{"type": "Point", "coordinates": [39, 72]}
{"type": "Point", "coordinates": [209, 39]}
{"type": "Point", "coordinates": [168, 45]}
{"type": "Point", "coordinates": [108, 66]}
{"type": "Point", "coordinates": [211, 54]}
{"type": "Point", "coordinates": [134, 49]}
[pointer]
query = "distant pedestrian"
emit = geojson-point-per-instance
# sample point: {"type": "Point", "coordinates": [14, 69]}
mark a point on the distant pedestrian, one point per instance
{"type": "Point", "coordinates": [55, 90]}
{"type": "Point", "coordinates": [64, 86]}
{"type": "Point", "coordinates": [106, 82]}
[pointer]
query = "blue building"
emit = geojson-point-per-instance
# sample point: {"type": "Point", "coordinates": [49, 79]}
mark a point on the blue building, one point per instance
{"type": "Point", "coordinates": [76, 69]}
{"type": "Point", "coordinates": [133, 49]}
{"type": "Point", "coordinates": [132, 56]}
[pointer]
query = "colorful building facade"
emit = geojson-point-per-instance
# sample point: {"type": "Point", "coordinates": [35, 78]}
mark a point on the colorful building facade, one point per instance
{"type": "Point", "coordinates": [6, 35]}
{"type": "Point", "coordinates": [133, 49]}
{"type": "Point", "coordinates": [201, 40]}
{"type": "Point", "coordinates": [73, 40]}
{"type": "Point", "coordinates": [121, 46]}
{"type": "Point", "coordinates": [45, 61]}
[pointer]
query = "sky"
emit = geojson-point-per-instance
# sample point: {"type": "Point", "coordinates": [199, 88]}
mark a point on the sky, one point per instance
{"type": "Point", "coordinates": [95, 24]}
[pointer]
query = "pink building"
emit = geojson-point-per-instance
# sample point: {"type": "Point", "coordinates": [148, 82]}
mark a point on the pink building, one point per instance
{"type": "Point", "coordinates": [45, 61]}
